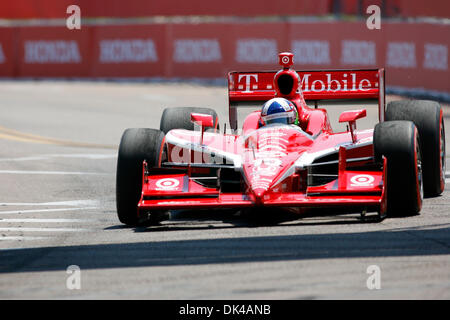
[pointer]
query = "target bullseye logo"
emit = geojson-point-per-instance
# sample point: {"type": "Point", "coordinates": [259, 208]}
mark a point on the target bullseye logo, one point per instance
{"type": "Point", "coordinates": [362, 180]}
{"type": "Point", "coordinates": [285, 60]}
{"type": "Point", "coordinates": [167, 184]}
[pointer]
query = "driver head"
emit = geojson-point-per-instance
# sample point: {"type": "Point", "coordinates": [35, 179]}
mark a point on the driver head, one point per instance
{"type": "Point", "coordinates": [279, 110]}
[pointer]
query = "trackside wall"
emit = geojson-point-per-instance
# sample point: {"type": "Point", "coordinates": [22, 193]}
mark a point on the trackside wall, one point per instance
{"type": "Point", "coordinates": [415, 55]}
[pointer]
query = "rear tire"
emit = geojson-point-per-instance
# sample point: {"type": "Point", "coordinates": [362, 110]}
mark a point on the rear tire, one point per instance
{"type": "Point", "coordinates": [136, 145]}
{"type": "Point", "coordinates": [180, 118]}
{"type": "Point", "coordinates": [428, 118]}
{"type": "Point", "coordinates": [399, 142]}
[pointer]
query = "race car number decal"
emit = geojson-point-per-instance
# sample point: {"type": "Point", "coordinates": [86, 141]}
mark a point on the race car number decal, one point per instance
{"type": "Point", "coordinates": [362, 180]}
{"type": "Point", "coordinates": [167, 184]}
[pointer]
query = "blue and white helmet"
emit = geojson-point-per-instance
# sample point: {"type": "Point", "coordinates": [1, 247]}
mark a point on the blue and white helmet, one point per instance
{"type": "Point", "coordinates": [278, 110]}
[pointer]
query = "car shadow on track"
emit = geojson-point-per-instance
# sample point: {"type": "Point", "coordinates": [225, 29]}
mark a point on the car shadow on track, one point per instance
{"type": "Point", "coordinates": [225, 219]}
{"type": "Point", "coordinates": [383, 243]}
{"type": "Point", "coordinates": [202, 220]}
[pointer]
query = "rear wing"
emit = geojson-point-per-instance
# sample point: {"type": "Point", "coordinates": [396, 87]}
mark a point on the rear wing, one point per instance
{"type": "Point", "coordinates": [315, 85]}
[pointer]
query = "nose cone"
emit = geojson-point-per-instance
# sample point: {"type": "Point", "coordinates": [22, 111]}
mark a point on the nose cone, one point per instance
{"type": "Point", "coordinates": [259, 193]}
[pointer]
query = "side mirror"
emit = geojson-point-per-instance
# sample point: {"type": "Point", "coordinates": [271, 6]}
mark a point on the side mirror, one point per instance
{"type": "Point", "coordinates": [204, 120]}
{"type": "Point", "coordinates": [351, 116]}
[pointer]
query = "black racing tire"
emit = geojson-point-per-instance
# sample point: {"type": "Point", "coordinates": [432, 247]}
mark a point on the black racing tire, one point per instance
{"type": "Point", "coordinates": [180, 118]}
{"type": "Point", "coordinates": [429, 120]}
{"type": "Point", "coordinates": [399, 142]}
{"type": "Point", "coordinates": [136, 145]}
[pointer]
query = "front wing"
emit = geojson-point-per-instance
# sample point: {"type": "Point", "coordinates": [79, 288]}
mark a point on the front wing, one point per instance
{"type": "Point", "coordinates": [169, 190]}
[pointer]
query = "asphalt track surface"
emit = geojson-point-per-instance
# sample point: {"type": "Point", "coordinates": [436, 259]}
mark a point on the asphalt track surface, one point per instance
{"type": "Point", "coordinates": [58, 153]}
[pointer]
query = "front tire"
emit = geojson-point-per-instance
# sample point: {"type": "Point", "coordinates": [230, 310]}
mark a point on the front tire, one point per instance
{"type": "Point", "coordinates": [136, 145]}
{"type": "Point", "coordinates": [399, 142]}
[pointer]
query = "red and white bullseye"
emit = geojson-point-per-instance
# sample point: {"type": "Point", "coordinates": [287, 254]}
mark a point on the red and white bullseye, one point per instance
{"type": "Point", "coordinates": [167, 183]}
{"type": "Point", "coordinates": [362, 180]}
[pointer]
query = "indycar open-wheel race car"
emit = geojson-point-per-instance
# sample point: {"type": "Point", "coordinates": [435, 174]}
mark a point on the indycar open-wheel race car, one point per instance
{"type": "Point", "coordinates": [188, 163]}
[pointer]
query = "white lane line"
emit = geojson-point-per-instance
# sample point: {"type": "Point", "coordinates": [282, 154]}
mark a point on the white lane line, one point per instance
{"type": "Point", "coordinates": [45, 220]}
{"type": "Point", "coordinates": [45, 210]}
{"type": "Point", "coordinates": [52, 172]}
{"type": "Point", "coordinates": [50, 156]}
{"type": "Point", "coordinates": [15, 238]}
{"type": "Point", "coordinates": [74, 203]}
{"type": "Point", "coordinates": [12, 229]}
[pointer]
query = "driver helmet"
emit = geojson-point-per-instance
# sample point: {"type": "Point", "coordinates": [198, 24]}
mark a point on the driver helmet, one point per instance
{"type": "Point", "coordinates": [279, 110]}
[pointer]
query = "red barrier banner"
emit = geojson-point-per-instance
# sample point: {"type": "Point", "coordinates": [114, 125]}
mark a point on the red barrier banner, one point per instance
{"type": "Point", "coordinates": [420, 8]}
{"type": "Point", "coordinates": [414, 55]}
{"type": "Point", "coordinates": [44, 9]}
{"type": "Point", "coordinates": [35, 9]}
{"type": "Point", "coordinates": [256, 46]}
{"type": "Point", "coordinates": [211, 50]}
{"type": "Point", "coordinates": [337, 45]}
{"type": "Point", "coordinates": [359, 7]}
{"type": "Point", "coordinates": [395, 8]}
{"type": "Point", "coordinates": [129, 51]}
{"type": "Point", "coordinates": [7, 52]}
{"type": "Point", "coordinates": [54, 52]}
{"type": "Point", "coordinates": [197, 50]}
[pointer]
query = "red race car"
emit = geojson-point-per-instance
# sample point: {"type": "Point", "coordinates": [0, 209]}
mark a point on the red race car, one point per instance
{"type": "Point", "coordinates": [189, 163]}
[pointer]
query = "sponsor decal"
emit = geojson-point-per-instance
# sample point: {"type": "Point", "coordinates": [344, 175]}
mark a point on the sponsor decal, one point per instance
{"type": "Point", "coordinates": [436, 57]}
{"type": "Point", "coordinates": [52, 51]}
{"type": "Point", "coordinates": [268, 168]}
{"type": "Point", "coordinates": [130, 50]}
{"type": "Point", "coordinates": [358, 53]}
{"type": "Point", "coordinates": [317, 82]}
{"type": "Point", "coordinates": [362, 180]}
{"type": "Point", "coordinates": [247, 81]}
{"type": "Point", "coordinates": [314, 52]}
{"type": "Point", "coordinates": [167, 184]}
{"type": "Point", "coordinates": [401, 55]}
{"type": "Point", "coordinates": [267, 157]}
{"type": "Point", "coordinates": [333, 85]}
{"type": "Point", "coordinates": [256, 51]}
{"type": "Point", "coordinates": [197, 50]}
